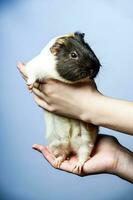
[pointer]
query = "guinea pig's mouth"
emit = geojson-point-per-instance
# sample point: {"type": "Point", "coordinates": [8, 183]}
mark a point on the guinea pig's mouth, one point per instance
{"type": "Point", "coordinates": [74, 74]}
{"type": "Point", "coordinates": [93, 74]}
{"type": "Point", "coordinates": [83, 75]}
{"type": "Point", "coordinates": [88, 75]}
{"type": "Point", "coordinates": [78, 77]}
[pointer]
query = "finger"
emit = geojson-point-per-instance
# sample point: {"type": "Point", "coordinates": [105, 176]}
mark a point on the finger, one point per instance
{"type": "Point", "coordinates": [39, 94]}
{"type": "Point", "coordinates": [36, 85]}
{"type": "Point", "coordinates": [41, 103]}
{"type": "Point", "coordinates": [44, 150]}
{"type": "Point", "coordinates": [42, 87]}
{"type": "Point", "coordinates": [38, 147]}
{"type": "Point", "coordinates": [48, 80]}
{"type": "Point", "coordinates": [24, 77]}
{"type": "Point", "coordinates": [68, 165]}
{"type": "Point", "coordinates": [42, 81]}
{"type": "Point", "coordinates": [21, 68]}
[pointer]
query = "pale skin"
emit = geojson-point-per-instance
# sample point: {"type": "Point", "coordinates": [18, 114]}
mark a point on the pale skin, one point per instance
{"type": "Point", "coordinates": [85, 102]}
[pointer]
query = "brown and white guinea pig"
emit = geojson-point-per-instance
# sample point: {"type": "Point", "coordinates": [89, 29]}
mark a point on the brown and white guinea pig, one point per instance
{"type": "Point", "coordinates": [70, 59]}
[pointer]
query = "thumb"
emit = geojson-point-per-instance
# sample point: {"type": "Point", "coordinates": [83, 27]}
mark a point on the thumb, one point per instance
{"type": "Point", "coordinates": [93, 165]}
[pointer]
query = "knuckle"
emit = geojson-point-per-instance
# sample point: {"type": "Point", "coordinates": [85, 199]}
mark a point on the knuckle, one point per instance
{"type": "Point", "coordinates": [40, 86]}
{"type": "Point", "coordinates": [48, 90]}
{"type": "Point", "coordinates": [52, 109]}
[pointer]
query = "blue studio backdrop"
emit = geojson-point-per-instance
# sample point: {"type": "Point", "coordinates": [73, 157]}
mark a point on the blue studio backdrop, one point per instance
{"type": "Point", "coordinates": [25, 27]}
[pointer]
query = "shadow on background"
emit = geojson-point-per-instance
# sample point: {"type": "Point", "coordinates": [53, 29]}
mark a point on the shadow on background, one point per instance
{"type": "Point", "coordinates": [4, 3]}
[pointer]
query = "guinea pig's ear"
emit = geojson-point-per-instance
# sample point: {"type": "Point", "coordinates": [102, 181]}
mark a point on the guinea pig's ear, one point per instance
{"type": "Point", "coordinates": [79, 36]}
{"type": "Point", "coordinates": [55, 49]}
{"type": "Point", "coordinates": [57, 46]}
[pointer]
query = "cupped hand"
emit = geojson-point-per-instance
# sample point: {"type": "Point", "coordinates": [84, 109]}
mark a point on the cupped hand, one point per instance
{"type": "Point", "coordinates": [104, 157]}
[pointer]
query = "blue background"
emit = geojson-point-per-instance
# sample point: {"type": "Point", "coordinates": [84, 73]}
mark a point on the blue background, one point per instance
{"type": "Point", "coordinates": [25, 27]}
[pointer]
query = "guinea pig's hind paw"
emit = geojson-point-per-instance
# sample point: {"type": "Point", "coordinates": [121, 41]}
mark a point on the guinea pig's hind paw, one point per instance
{"type": "Point", "coordinates": [57, 162]}
{"type": "Point", "coordinates": [77, 169]}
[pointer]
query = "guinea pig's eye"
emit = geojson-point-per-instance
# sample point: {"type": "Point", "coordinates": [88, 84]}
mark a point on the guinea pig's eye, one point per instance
{"type": "Point", "coordinates": [74, 55]}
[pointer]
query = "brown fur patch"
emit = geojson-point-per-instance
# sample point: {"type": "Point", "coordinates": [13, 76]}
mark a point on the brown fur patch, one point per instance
{"type": "Point", "coordinates": [59, 42]}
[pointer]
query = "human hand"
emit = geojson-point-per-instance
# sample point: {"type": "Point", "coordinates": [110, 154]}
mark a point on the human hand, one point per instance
{"type": "Point", "coordinates": [64, 99]}
{"type": "Point", "coordinates": [84, 102]}
{"type": "Point", "coordinates": [104, 157]}
{"type": "Point", "coordinates": [21, 68]}
{"type": "Point", "coordinates": [108, 156]}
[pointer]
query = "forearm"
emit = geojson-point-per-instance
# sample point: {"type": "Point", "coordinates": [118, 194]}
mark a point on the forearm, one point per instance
{"type": "Point", "coordinates": [110, 113]}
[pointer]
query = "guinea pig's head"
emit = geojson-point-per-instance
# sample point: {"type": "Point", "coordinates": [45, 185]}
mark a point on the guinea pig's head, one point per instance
{"type": "Point", "coordinates": [75, 59]}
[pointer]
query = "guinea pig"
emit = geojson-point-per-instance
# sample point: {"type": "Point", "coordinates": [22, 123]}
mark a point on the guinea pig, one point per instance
{"type": "Point", "coordinates": [69, 59]}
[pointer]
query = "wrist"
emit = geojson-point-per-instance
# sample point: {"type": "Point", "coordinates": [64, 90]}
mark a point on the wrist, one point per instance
{"type": "Point", "coordinates": [122, 164]}
{"type": "Point", "coordinates": [93, 109]}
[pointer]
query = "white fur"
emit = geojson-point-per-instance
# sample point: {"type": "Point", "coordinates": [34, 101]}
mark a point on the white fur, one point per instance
{"type": "Point", "coordinates": [64, 135]}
